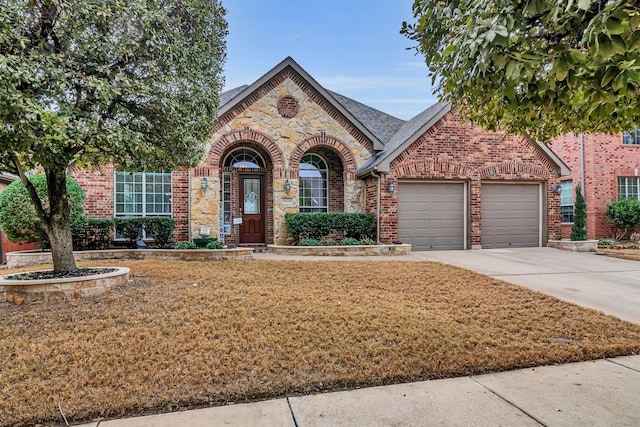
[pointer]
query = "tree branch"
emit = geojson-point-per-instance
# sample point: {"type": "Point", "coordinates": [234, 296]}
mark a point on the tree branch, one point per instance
{"type": "Point", "coordinates": [37, 203]}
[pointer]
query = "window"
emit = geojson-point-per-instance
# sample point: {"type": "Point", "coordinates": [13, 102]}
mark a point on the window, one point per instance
{"type": "Point", "coordinates": [313, 184]}
{"type": "Point", "coordinates": [631, 137]}
{"type": "Point", "coordinates": [143, 194]}
{"type": "Point", "coordinates": [628, 187]}
{"type": "Point", "coordinates": [226, 202]}
{"type": "Point", "coordinates": [244, 158]}
{"type": "Point", "coordinates": [566, 201]}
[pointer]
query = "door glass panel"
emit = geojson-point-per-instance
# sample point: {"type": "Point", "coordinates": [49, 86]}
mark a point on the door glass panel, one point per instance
{"type": "Point", "coordinates": [251, 196]}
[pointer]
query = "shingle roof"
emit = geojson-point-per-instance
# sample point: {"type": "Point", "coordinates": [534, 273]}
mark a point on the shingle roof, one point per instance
{"type": "Point", "coordinates": [231, 93]}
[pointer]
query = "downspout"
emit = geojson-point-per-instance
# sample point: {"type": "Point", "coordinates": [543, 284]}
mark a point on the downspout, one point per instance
{"type": "Point", "coordinates": [377, 208]}
{"type": "Point", "coordinates": [582, 174]}
{"type": "Point", "coordinates": [189, 202]}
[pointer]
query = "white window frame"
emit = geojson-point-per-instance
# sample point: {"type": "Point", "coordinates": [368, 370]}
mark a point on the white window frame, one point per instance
{"type": "Point", "coordinates": [166, 197]}
{"type": "Point", "coordinates": [566, 201]}
{"type": "Point", "coordinates": [324, 175]}
{"type": "Point", "coordinates": [631, 137]}
{"type": "Point", "coordinates": [628, 187]}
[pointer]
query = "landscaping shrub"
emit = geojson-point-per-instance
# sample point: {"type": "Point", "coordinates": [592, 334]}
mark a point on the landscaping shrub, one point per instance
{"type": "Point", "coordinates": [625, 214]}
{"type": "Point", "coordinates": [326, 242]}
{"type": "Point", "coordinates": [160, 229]}
{"type": "Point", "coordinates": [185, 244]}
{"type": "Point", "coordinates": [368, 241]}
{"type": "Point", "coordinates": [309, 242]}
{"type": "Point", "coordinates": [578, 230]}
{"type": "Point", "coordinates": [606, 242]}
{"type": "Point", "coordinates": [349, 241]}
{"type": "Point", "coordinates": [129, 228]}
{"type": "Point", "coordinates": [97, 234]}
{"type": "Point", "coordinates": [202, 242]}
{"type": "Point", "coordinates": [18, 216]}
{"type": "Point", "coordinates": [216, 244]}
{"type": "Point", "coordinates": [317, 225]}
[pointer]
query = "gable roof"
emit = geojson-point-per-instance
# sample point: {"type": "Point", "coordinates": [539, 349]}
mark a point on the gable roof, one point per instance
{"type": "Point", "coordinates": [240, 93]}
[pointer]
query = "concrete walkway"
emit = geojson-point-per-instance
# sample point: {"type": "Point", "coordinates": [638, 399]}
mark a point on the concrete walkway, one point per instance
{"type": "Point", "coordinates": [597, 393]}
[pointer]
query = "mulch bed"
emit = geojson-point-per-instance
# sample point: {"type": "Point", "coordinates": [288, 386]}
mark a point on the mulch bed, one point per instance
{"type": "Point", "coordinates": [51, 274]}
{"type": "Point", "coordinates": [182, 335]}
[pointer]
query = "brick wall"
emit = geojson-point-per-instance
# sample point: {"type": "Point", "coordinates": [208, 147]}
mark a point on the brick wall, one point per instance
{"type": "Point", "coordinates": [455, 150]}
{"type": "Point", "coordinates": [99, 190]}
{"type": "Point", "coordinates": [606, 158]}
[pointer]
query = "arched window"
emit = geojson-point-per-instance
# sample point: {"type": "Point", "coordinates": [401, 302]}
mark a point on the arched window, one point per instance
{"type": "Point", "coordinates": [313, 184]}
{"type": "Point", "coordinates": [244, 158]}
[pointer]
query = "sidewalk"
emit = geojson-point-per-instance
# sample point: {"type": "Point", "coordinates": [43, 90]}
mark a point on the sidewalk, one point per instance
{"type": "Point", "coordinates": [596, 393]}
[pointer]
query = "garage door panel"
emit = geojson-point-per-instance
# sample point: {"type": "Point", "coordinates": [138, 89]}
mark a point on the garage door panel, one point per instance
{"type": "Point", "coordinates": [431, 215]}
{"type": "Point", "coordinates": [510, 215]}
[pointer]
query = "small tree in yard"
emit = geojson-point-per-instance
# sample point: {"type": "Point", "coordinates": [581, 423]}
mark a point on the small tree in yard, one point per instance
{"type": "Point", "coordinates": [91, 82]}
{"type": "Point", "coordinates": [578, 230]}
{"type": "Point", "coordinates": [625, 214]}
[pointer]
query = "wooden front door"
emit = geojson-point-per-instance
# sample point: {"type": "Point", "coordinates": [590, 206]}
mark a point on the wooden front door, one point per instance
{"type": "Point", "coordinates": [252, 209]}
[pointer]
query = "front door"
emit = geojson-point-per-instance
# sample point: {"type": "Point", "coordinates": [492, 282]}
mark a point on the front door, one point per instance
{"type": "Point", "coordinates": [252, 202]}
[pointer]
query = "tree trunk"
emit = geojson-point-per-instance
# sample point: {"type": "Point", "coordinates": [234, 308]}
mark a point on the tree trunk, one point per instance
{"type": "Point", "coordinates": [57, 225]}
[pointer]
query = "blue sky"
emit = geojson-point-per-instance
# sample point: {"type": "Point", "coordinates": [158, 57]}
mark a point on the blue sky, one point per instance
{"type": "Point", "coordinates": [351, 47]}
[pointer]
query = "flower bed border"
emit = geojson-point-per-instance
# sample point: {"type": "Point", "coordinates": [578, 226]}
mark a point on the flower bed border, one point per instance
{"type": "Point", "coordinates": [355, 250]}
{"type": "Point", "coordinates": [30, 290]}
{"type": "Point", "coordinates": [28, 258]}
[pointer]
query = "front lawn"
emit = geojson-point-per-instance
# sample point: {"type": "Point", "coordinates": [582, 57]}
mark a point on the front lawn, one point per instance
{"type": "Point", "coordinates": [188, 334]}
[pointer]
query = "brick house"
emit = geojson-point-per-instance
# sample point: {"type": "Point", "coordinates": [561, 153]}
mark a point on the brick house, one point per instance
{"type": "Point", "coordinates": [287, 144]}
{"type": "Point", "coordinates": [609, 165]}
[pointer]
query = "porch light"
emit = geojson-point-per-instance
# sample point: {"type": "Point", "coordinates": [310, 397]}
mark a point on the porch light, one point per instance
{"type": "Point", "coordinates": [203, 184]}
{"type": "Point", "coordinates": [287, 185]}
{"type": "Point", "coordinates": [391, 187]}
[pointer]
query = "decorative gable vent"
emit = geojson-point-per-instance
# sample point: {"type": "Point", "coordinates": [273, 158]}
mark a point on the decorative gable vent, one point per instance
{"type": "Point", "coordinates": [288, 106]}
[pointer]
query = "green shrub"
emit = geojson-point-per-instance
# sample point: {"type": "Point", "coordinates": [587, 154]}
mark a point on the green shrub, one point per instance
{"type": "Point", "coordinates": [202, 242]}
{"type": "Point", "coordinates": [368, 241]}
{"type": "Point", "coordinates": [625, 214]}
{"type": "Point", "coordinates": [216, 244]}
{"type": "Point", "coordinates": [326, 242]}
{"type": "Point", "coordinates": [186, 244]}
{"type": "Point", "coordinates": [606, 242]}
{"type": "Point", "coordinates": [18, 217]}
{"type": "Point", "coordinates": [309, 242]}
{"type": "Point", "coordinates": [129, 228]}
{"type": "Point", "coordinates": [97, 234]}
{"type": "Point", "coordinates": [160, 229]}
{"type": "Point", "coordinates": [349, 241]}
{"type": "Point", "coordinates": [578, 230]}
{"type": "Point", "coordinates": [317, 225]}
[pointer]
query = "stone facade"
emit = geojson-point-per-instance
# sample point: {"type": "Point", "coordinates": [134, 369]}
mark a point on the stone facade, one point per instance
{"type": "Point", "coordinates": [606, 158]}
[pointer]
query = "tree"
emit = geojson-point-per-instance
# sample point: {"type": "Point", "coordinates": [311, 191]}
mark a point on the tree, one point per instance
{"type": "Point", "coordinates": [18, 218]}
{"type": "Point", "coordinates": [542, 67]}
{"type": "Point", "coordinates": [578, 230]}
{"type": "Point", "coordinates": [90, 82]}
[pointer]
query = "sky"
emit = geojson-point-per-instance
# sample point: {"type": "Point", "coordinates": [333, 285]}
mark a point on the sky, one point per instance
{"type": "Point", "coordinates": [352, 47]}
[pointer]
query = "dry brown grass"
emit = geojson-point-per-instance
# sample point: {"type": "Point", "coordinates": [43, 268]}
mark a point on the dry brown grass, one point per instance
{"type": "Point", "coordinates": [630, 254]}
{"type": "Point", "coordinates": [187, 334]}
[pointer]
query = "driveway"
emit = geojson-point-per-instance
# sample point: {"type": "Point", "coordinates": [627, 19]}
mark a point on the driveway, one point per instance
{"type": "Point", "coordinates": [607, 284]}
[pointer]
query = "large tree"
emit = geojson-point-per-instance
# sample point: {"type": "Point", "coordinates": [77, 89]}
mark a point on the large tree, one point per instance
{"type": "Point", "coordinates": [90, 82]}
{"type": "Point", "coordinates": [543, 67]}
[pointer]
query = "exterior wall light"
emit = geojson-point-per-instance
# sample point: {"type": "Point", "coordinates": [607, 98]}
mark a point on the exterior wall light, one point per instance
{"type": "Point", "coordinates": [556, 187]}
{"type": "Point", "coordinates": [287, 185]}
{"type": "Point", "coordinates": [391, 187]}
{"type": "Point", "coordinates": [203, 184]}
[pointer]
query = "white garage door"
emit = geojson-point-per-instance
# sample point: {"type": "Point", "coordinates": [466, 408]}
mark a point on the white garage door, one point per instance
{"type": "Point", "coordinates": [510, 215]}
{"type": "Point", "coordinates": [431, 216]}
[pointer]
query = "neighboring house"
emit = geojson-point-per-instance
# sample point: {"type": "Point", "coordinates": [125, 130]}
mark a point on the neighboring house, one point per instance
{"type": "Point", "coordinates": [6, 245]}
{"type": "Point", "coordinates": [610, 165]}
{"type": "Point", "coordinates": [286, 144]}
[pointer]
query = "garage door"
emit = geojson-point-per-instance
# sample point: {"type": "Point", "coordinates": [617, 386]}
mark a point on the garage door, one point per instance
{"type": "Point", "coordinates": [510, 215]}
{"type": "Point", "coordinates": [431, 215]}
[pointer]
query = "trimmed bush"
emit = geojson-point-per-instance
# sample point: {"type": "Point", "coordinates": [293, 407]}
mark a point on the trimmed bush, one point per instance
{"type": "Point", "coordinates": [18, 216]}
{"type": "Point", "coordinates": [185, 244]}
{"type": "Point", "coordinates": [349, 241]}
{"type": "Point", "coordinates": [625, 214]}
{"type": "Point", "coordinates": [216, 244]}
{"type": "Point", "coordinates": [160, 229]}
{"type": "Point", "coordinates": [309, 242]}
{"type": "Point", "coordinates": [98, 234]}
{"type": "Point", "coordinates": [578, 230]}
{"type": "Point", "coordinates": [202, 242]}
{"type": "Point", "coordinates": [129, 228]}
{"type": "Point", "coordinates": [318, 225]}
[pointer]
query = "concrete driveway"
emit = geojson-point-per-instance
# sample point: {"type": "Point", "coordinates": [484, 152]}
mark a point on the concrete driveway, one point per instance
{"type": "Point", "coordinates": [608, 284]}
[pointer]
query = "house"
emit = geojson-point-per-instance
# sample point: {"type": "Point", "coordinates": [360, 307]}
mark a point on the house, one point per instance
{"type": "Point", "coordinates": [606, 167]}
{"type": "Point", "coordinates": [287, 144]}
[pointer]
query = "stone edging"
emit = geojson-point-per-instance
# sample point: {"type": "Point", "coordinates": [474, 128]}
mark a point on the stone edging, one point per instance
{"type": "Point", "coordinates": [356, 250]}
{"type": "Point", "coordinates": [21, 291]}
{"type": "Point", "coordinates": [574, 245]}
{"type": "Point", "coordinates": [28, 258]}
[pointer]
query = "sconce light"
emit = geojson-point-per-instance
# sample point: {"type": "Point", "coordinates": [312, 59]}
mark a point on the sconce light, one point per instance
{"type": "Point", "coordinates": [556, 187]}
{"type": "Point", "coordinates": [203, 184]}
{"type": "Point", "coordinates": [391, 187]}
{"type": "Point", "coordinates": [287, 185]}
